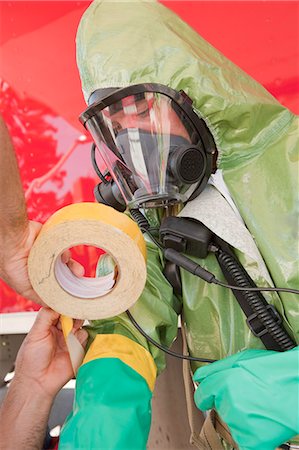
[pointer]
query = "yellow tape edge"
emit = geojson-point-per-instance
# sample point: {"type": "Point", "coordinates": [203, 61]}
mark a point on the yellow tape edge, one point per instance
{"type": "Point", "coordinates": [98, 212]}
{"type": "Point", "coordinates": [66, 325]}
{"type": "Point", "coordinates": [128, 351]}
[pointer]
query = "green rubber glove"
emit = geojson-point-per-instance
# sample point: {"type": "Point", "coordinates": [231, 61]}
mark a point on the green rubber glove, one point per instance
{"type": "Point", "coordinates": [256, 392]}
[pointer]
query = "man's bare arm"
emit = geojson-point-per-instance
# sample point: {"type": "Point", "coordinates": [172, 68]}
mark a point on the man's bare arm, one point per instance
{"type": "Point", "coordinates": [17, 233]}
{"type": "Point", "coordinates": [13, 213]}
{"type": "Point", "coordinates": [24, 417]}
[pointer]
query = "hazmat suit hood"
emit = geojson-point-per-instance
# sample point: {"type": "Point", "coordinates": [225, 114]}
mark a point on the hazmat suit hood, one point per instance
{"type": "Point", "coordinates": [144, 42]}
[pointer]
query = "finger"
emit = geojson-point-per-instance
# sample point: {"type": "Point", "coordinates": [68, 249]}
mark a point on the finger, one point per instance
{"type": "Point", "coordinates": [45, 318]}
{"type": "Point", "coordinates": [66, 256]}
{"type": "Point", "coordinates": [204, 396]}
{"type": "Point", "coordinates": [82, 336]}
{"type": "Point", "coordinates": [35, 227]}
{"type": "Point", "coordinates": [76, 268]}
{"type": "Point", "coordinates": [77, 323]}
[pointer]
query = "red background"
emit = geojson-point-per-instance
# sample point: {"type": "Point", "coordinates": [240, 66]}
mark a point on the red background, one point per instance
{"type": "Point", "coordinates": [40, 94]}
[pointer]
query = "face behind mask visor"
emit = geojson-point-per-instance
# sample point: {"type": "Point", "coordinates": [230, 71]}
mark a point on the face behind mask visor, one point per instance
{"type": "Point", "coordinates": [157, 150]}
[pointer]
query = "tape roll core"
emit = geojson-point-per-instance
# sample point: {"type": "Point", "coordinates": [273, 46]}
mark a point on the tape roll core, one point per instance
{"type": "Point", "coordinates": [84, 287]}
{"type": "Point", "coordinates": [96, 225]}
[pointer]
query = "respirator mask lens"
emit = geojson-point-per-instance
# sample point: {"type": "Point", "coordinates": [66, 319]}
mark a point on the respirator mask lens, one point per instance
{"type": "Point", "coordinates": [150, 146]}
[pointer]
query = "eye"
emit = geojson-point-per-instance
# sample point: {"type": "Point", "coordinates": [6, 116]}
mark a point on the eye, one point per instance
{"type": "Point", "coordinates": [143, 113]}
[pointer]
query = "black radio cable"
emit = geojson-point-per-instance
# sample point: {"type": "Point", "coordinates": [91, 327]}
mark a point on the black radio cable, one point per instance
{"type": "Point", "coordinates": [256, 289]}
{"type": "Point", "coordinates": [165, 349]}
{"type": "Point", "coordinates": [192, 267]}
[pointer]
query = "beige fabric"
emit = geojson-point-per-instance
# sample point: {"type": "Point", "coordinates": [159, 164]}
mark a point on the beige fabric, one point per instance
{"type": "Point", "coordinates": [215, 427]}
{"type": "Point", "coordinates": [205, 432]}
{"type": "Point", "coordinates": [209, 434]}
{"type": "Point", "coordinates": [195, 417]}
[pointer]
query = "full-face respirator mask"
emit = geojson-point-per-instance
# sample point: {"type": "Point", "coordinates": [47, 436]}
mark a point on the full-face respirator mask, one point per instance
{"type": "Point", "coordinates": [156, 149]}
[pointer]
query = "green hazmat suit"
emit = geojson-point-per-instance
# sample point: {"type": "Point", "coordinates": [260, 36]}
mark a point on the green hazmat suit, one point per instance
{"type": "Point", "coordinates": [126, 43]}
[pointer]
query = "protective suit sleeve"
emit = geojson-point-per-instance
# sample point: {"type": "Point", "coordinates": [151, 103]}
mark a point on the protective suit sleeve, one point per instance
{"type": "Point", "coordinates": [112, 405]}
{"type": "Point", "coordinates": [256, 392]}
{"type": "Point", "coordinates": [156, 311]}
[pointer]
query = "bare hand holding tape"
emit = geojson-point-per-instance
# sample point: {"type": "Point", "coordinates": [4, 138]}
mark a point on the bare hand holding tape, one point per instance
{"type": "Point", "coordinates": [88, 298]}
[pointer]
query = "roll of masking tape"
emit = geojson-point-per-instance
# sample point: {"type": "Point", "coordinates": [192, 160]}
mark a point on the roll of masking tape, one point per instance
{"type": "Point", "coordinates": [88, 298]}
